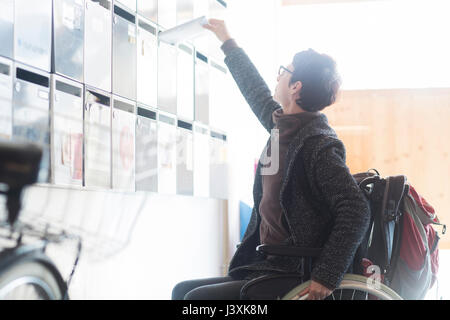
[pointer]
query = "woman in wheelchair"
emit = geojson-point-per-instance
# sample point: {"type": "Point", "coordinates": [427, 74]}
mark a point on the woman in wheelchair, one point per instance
{"type": "Point", "coordinates": [304, 195]}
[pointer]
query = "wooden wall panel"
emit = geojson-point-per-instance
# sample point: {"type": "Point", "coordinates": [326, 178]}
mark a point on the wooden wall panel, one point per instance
{"type": "Point", "coordinates": [400, 131]}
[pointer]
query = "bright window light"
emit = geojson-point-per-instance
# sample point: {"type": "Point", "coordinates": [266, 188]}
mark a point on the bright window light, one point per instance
{"type": "Point", "coordinates": [377, 44]}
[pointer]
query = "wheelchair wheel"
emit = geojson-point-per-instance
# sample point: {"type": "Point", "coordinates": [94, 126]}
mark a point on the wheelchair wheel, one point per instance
{"type": "Point", "coordinates": [29, 276]}
{"type": "Point", "coordinates": [353, 287]}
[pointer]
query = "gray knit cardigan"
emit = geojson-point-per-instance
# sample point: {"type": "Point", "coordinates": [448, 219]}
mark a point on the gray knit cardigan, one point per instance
{"type": "Point", "coordinates": [322, 204]}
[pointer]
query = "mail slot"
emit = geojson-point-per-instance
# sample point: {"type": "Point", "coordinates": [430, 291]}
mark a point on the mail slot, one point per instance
{"type": "Point", "coordinates": [33, 33]}
{"type": "Point", "coordinates": [97, 138]}
{"type": "Point", "coordinates": [185, 11]}
{"type": "Point", "coordinates": [167, 139]}
{"type": "Point", "coordinates": [68, 38]}
{"type": "Point", "coordinates": [201, 160]}
{"type": "Point", "coordinates": [184, 158]}
{"type": "Point", "coordinates": [147, 63]}
{"type": "Point", "coordinates": [148, 9]}
{"type": "Point", "coordinates": [146, 149]}
{"type": "Point", "coordinates": [201, 88]}
{"type": "Point", "coordinates": [124, 53]}
{"type": "Point", "coordinates": [185, 79]}
{"type": "Point", "coordinates": [167, 78]}
{"type": "Point", "coordinates": [218, 96]}
{"type": "Point", "coordinates": [67, 131]}
{"type": "Point", "coordinates": [167, 13]}
{"type": "Point", "coordinates": [123, 150]}
{"type": "Point", "coordinates": [31, 112]}
{"type": "Point", "coordinates": [130, 4]}
{"type": "Point", "coordinates": [6, 97]}
{"type": "Point", "coordinates": [218, 182]}
{"type": "Point", "coordinates": [98, 46]}
{"type": "Point", "coordinates": [7, 29]}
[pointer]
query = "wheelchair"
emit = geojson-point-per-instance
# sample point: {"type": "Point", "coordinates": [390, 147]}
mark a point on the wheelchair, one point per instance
{"type": "Point", "coordinates": [290, 286]}
{"type": "Point", "coordinates": [379, 247]}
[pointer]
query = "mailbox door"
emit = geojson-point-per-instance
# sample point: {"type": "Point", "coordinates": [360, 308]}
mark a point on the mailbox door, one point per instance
{"type": "Point", "coordinates": [146, 150]}
{"type": "Point", "coordinates": [217, 97]}
{"type": "Point", "coordinates": [201, 161]}
{"type": "Point", "coordinates": [167, 131]}
{"type": "Point", "coordinates": [68, 35]}
{"type": "Point", "coordinates": [31, 112]}
{"type": "Point", "coordinates": [124, 53]}
{"type": "Point", "coordinates": [7, 29]}
{"type": "Point", "coordinates": [98, 46]}
{"type": "Point", "coordinates": [185, 11]}
{"type": "Point", "coordinates": [97, 139]}
{"type": "Point", "coordinates": [67, 132]}
{"type": "Point", "coordinates": [6, 93]}
{"type": "Point", "coordinates": [201, 89]}
{"type": "Point", "coordinates": [33, 33]}
{"type": "Point", "coordinates": [123, 136]}
{"type": "Point", "coordinates": [147, 63]}
{"type": "Point", "coordinates": [167, 13]}
{"type": "Point", "coordinates": [167, 78]}
{"type": "Point", "coordinates": [130, 4]}
{"type": "Point", "coordinates": [218, 166]}
{"type": "Point", "coordinates": [148, 9]}
{"type": "Point", "coordinates": [184, 151]}
{"type": "Point", "coordinates": [185, 80]}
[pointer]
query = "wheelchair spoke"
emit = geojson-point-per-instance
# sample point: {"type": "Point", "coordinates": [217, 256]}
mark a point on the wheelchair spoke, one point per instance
{"type": "Point", "coordinates": [332, 295]}
{"type": "Point", "coordinates": [353, 294]}
{"type": "Point", "coordinates": [340, 296]}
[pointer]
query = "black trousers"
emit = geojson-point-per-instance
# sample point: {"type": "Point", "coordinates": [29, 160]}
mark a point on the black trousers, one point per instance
{"type": "Point", "coordinates": [219, 288]}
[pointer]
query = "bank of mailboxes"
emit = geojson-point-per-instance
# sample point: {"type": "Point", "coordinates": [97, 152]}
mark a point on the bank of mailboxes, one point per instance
{"type": "Point", "coordinates": [6, 92]}
{"type": "Point", "coordinates": [111, 106]}
{"type": "Point", "coordinates": [67, 131]}
{"type": "Point", "coordinates": [31, 112]}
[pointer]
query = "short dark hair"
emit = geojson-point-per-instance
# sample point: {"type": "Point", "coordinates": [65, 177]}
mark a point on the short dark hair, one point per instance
{"type": "Point", "coordinates": [319, 77]}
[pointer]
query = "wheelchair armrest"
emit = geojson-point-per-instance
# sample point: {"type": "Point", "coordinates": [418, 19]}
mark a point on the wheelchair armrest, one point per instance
{"type": "Point", "coordinates": [289, 251]}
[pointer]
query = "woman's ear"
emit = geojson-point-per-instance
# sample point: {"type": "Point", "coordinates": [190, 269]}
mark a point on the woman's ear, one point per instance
{"type": "Point", "coordinates": [296, 87]}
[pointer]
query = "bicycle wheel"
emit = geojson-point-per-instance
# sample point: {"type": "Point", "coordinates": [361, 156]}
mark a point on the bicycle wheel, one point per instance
{"type": "Point", "coordinates": [29, 276]}
{"type": "Point", "coordinates": [352, 287]}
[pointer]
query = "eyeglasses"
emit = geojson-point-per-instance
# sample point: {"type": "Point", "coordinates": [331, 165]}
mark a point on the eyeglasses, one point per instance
{"type": "Point", "coordinates": [282, 69]}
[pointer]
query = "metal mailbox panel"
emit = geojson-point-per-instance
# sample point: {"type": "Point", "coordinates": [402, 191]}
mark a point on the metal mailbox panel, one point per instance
{"type": "Point", "coordinates": [201, 161]}
{"type": "Point", "coordinates": [98, 46]}
{"type": "Point", "coordinates": [68, 37]}
{"type": "Point", "coordinates": [146, 150]}
{"type": "Point", "coordinates": [217, 96]}
{"type": "Point", "coordinates": [7, 28]}
{"type": "Point", "coordinates": [167, 178]}
{"type": "Point", "coordinates": [33, 33]}
{"type": "Point", "coordinates": [184, 145]}
{"type": "Point", "coordinates": [201, 89]}
{"type": "Point", "coordinates": [124, 53]}
{"type": "Point", "coordinates": [167, 13]}
{"type": "Point", "coordinates": [167, 78]}
{"type": "Point", "coordinates": [31, 112]}
{"type": "Point", "coordinates": [97, 139]}
{"type": "Point", "coordinates": [185, 11]}
{"type": "Point", "coordinates": [148, 9]}
{"type": "Point", "coordinates": [185, 80]}
{"type": "Point", "coordinates": [147, 63]}
{"type": "Point", "coordinates": [218, 166]}
{"type": "Point", "coordinates": [6, 95]}
{"type": "Point", "coordinates": [123, 150]}
{"type": "Point", "coordinates": [130, 4]}
{"type": "Point", "coordinates": [67, 132]}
